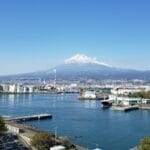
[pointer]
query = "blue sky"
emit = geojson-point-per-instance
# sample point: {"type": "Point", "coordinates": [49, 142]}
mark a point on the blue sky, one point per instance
{"type": "Point", "coordinates": [37, 34]}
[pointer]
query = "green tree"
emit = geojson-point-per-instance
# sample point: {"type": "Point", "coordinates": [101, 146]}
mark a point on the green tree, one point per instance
{"type": "Point", "coordinates": [3, 129]}
{"type": "Point", "coordinates": [42, 141]}
{"type": "Point", "coordinates": [145, 144]}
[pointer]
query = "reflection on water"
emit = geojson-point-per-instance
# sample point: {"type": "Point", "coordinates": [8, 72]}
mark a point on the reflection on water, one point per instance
{"type": "Point", "coordinates": [13, 99]}
{"type": "Point", "coordinates": [90, 104]}
{"type": "Point", "coordinates": [83, 121]}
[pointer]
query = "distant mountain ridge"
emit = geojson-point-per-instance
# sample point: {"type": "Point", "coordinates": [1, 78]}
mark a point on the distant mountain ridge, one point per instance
{"type": "Point", "coordinates": [83, 67]}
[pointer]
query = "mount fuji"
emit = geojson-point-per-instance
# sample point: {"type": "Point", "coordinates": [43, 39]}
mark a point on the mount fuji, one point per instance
{"type": "Point", "coordinates": [81, 66]}
{"type": "Point", "coordinates": [83, 59]}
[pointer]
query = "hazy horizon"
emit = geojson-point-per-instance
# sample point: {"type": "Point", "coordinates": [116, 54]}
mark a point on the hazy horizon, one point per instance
{"type": "Point", "coordinates": [63, 62]}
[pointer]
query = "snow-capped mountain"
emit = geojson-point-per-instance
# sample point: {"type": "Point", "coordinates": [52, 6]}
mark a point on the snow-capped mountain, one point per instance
{"type": "Point", "coordinates": [83, 59]}
{"type": "Point", "coordinates": [81, 66]}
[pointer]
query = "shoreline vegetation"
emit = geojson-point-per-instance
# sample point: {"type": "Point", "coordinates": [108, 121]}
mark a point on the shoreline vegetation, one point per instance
{"type": "Point", "coordinates": [145, 144]}
{"type": "Point", "coordinates": [142, 94]}
{"type": "Point", "coordinates": [34, 138]}
{"type": "Point", "coordinates": [3, 128]}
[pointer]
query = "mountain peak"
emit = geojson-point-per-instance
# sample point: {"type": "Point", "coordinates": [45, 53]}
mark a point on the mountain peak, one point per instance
{"type": "Point", "coordinates": [83, 59]}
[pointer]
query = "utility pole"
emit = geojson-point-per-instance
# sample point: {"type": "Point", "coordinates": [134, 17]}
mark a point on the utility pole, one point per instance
{"type": "Point", "coordinates": [55, 77]}
{"type": "Point", "coordinates": [55, 128]}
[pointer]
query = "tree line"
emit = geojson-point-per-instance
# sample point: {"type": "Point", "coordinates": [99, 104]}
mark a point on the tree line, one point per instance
{"type": "Point", "coordinates": [142, 94]}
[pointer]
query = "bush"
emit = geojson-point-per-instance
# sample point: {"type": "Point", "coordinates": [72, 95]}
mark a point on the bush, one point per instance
{"type": "Point", "coordinates": [3, 129]}
{"type": "Point", "coordinates": [145, 144]}
{"type": "Point", "coordinates": [42, 141]}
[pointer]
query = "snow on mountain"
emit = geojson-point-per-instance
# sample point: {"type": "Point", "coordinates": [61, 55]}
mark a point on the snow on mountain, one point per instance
{"type": "Point", "coordinates": [81, 66]}
{"type": "Point", "coordinates": [83, 59]}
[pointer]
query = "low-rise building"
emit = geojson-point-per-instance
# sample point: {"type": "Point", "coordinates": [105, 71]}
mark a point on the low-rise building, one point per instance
{"type": "Point", "coordinates": [125, 91]}
{"type": "Point", "coordinates": [126, 101]}
{"type": "Point", "coordinates": [89, 94]}
{"type": "Point", "coordinates": [13, 129]}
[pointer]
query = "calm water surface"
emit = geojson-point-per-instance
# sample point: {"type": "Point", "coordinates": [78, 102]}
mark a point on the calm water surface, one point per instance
{"type": "Point", "coordinates": [83, 121]}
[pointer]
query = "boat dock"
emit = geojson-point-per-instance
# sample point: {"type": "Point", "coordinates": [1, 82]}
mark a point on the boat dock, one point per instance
{"type": "Point", "coordinates": [33, 117]}
{"type": "Point", "coordinates": [126, 108]}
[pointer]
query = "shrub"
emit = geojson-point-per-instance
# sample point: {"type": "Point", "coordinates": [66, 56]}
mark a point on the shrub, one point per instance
{"type": "Point", "coordinates": [3, 129]}
{"type": "Point", "coordinates": [42, 141]}
{"type": "Point", "coordinates": [145, 144]}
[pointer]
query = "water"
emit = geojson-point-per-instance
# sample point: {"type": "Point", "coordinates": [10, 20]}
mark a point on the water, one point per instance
{"type": "Point", "coordinates": [84, 122]}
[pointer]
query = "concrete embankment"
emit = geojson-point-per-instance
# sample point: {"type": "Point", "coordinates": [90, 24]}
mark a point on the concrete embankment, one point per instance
{"type": "Point", "coordinates": [130, 108]}
{"type": "Point", "coordinates": [126, 108]}
{"type": "Point", "coordinates": [26, 132]}
{"type": "Point", "coordinates": [144, 106]}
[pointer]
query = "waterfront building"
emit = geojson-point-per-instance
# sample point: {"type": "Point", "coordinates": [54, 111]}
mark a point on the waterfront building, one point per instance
{"type": "Point", "coordinates": [145, 101]}
{"type": "Point", "coordinates": [13, 129]}
{"type": "Point", "coordinates": [24, 89]}
{"type": "Point", "coordinates": [1, 88]}
{"type": "Point", "coordinates": [126, 91]}
{"type": "Point", "coordinates": [19, 88]}
{"type": "Point", "coordinates": [47, 87]}
{"type": "Point", "coordinates": [89, 94]}
{"type": "Point", "coordinates": [30, 89]}
{"type": "Point", "coordinates": [12, 88]}
{"type": "Point", "coordinates": [5, 87]}
{"type": "Point", "coordinates": [126, 101]}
